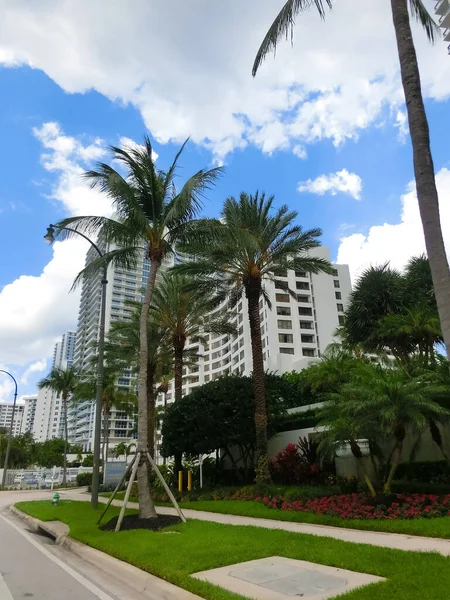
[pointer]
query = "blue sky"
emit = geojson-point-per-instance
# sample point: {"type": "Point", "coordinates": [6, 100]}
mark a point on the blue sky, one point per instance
{"type": "Point", "coordinates": [327, 115]}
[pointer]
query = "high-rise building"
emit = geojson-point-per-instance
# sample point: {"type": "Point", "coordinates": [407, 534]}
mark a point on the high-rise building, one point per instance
{"type": "Point", "coordinates": [48, 420]}
{"type": "Point", "coordinates": [29, 413]}
{"type": "Point", "coordinates": [442, 10]}
{"type": "Point", "coordinates": [6, 413]}
{"type": "Point", "coordinates": [123, 285]}
{"type": "Point", "coordinates": [295, 331]}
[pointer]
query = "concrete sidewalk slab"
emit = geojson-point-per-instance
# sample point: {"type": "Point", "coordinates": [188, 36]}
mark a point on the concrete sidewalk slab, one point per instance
{"type": "Point", "coordinates": [279, 578]}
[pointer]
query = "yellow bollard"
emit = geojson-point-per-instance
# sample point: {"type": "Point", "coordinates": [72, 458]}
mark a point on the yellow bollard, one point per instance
{"type": "Point", "coordinates": [189, 481]}
{"type": "Point", "coordinates": [180, 481]}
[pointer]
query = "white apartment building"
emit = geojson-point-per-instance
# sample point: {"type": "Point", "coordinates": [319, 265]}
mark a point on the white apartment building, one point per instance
{"type": "Point", "coordinates": [295, 331]}
{"type": "Point", "coordinates": [123, 285]}
{"type": "Point", "coordinates": [442, 10]}
{"type": "Point", "coordinates": [29, 413]}
{"type": "Point", "coordinates": [49, 414]}
{"type": "Point", "coordinates": [6, 413]}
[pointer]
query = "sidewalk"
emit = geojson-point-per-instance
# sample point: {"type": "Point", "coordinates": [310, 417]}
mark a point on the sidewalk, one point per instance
{"type": "Point", "coordinates": [375, 538]}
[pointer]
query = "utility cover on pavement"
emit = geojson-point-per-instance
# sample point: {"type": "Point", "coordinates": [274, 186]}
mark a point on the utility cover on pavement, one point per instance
{"type": "Point", "coordinates": [278, 578]}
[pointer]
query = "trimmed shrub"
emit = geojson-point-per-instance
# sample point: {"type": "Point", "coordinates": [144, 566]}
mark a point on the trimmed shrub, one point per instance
{"type": "Point", "coordinates": [424, 472]}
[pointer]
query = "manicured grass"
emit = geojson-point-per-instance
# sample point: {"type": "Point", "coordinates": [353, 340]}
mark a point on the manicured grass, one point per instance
{"type": "Point", "coordinates": [435, 527]}
{"type": "Point", "coordinates": [203, 545]}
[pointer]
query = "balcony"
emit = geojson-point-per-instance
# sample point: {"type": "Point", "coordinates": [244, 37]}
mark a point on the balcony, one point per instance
{"type": "Point", "coordinates": [444, 21]}
{"type": "Point", "coordinates": [441, 7]}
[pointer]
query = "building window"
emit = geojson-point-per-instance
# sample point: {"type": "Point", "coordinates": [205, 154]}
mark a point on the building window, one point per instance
{"type": "Point", "coordinates": [341, 319]}
{"type": "Point", "coordinates": [335, 272]}
{"type": "Point", "coordinates": [304, 311]}
{"type": "Point", "coordinates": [301, 274]}
{"type": "Point", "coordinates": [302, 285]}
{"type": "Point", "coordinates": [340, 307]}
{"type": "Point", "coordinates": [338, 295]}
{"type": "Point", "coordinates": [307, 339]}
{"type": "Point", "coordinates": [306, 325]}
{"type": "Point", "coordinates": [284, 311]}
{"type": "Point", "coordinates": [282, 297]}
{"type": "Point", "coordinates": [286, 338]}
{"type": "Point", "coordinates": [304, 299]}
{"type": "Point", "coordinates": [286, 350]}
{"type": "Point", "coordinates": [284, 324]}
{"type": "Point", "coordinates": [336, 283]}
{"type": "Point", "coordinates": [308, 352]}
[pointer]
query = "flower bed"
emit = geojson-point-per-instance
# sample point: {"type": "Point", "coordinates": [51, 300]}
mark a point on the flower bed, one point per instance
{"type": "Point", "coordinates": [360, 506]}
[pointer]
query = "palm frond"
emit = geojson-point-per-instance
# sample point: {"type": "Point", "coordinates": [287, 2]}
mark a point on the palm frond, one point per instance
{"type": "Point", "coordinates": [421, 14]}
{"type": "Point", "coordinates": [283, 26]}
{"type": "Point", "coordinates": [122, 257]}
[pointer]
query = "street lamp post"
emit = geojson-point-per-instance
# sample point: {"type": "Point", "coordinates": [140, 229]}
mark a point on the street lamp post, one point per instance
{"type": "Point", "coordinates": [50, 238]}
{"type": "Point", "coordinates": [8, 445]}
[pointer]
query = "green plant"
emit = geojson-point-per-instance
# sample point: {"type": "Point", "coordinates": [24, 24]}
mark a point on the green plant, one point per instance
{"type": "Point", "coordinates": [252, 243]}
{"type": "Point", "coordinates": [84, 479]}
{"type": "Point", "coordinates": [348, 485]}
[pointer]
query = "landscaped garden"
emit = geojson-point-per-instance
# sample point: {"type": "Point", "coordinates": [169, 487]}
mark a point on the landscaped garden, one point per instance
{"type": "Point", "coordinates": [201, 545]}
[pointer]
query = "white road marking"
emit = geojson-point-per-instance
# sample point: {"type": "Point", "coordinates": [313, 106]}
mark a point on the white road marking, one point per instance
{"type": "Point", "coordinates": [85, 582]}
{"type": "Point", "coordinates": [5, 594]}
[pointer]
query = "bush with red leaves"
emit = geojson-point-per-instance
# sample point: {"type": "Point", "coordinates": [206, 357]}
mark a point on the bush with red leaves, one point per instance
{"type": "Point", "coordinates": [359, 506]}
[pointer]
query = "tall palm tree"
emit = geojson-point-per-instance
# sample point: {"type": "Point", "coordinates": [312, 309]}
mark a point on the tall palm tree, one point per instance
{"type": "Point", "coordinates": [418, 126]}
{"type": "Point", "coordinates": [113, 397]}
{"type": "Point", "coordinates": [122, 350]}
{"type": "Point", "coordinates": [63, 382]}
{"type": "Point", "coordinates": [151, 217]}
{"type": "Point", "coordinates": [252, 243]}
{"type": "Point", "coordinates": [185, 314]}
{"type": "Point", "coordinates": [391, 402]}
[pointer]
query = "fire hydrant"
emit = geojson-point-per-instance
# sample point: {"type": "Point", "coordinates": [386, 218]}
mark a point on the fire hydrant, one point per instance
{"type": "Point", "coordinates": [55, 498]}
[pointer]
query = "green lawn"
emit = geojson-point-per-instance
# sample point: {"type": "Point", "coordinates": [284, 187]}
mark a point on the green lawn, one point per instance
{"type": "Point", "coordinates": [202, 545]}
{"type": "Point", "coordinates": [438, 527]}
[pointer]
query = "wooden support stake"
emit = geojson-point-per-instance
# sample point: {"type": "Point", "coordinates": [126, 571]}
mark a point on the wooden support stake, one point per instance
{"type": "Point", "coordinates": [166, 487]}
{"type": "Point", "coordinates": [128, 492]}
{"type": "Point", "coordinates": [118, 486]}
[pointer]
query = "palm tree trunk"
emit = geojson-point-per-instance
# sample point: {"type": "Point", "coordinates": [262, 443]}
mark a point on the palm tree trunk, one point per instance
{"type": "Point", "coordinates": [108, 412]}
{"type": "Point", "coordinates": [423, 165]}
{"type": "Point", "coordinates": [146, 506]}
{"type": "Point", "coordinates": [178, 348]}
{"type": "Point", "coordinates": [396, 458]}
{"type": "Point", "coordinates": [253, 292]}
{"type": "Point", "coordinates": [437, 438]}
{"type": "Point", "coordinates": [66, 440]}
{"type": "Point", "coordinates": [357, 453]}
{"type": "Point", "coordinates": [151, 408]}
{"type": "Point", "coordinates": [165, 408]}
{"type": "Point", "coordinates": [105, 433]}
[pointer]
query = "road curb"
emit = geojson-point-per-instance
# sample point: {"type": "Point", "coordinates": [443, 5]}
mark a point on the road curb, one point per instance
{"type": "Point", "coordinates": [148, 586]}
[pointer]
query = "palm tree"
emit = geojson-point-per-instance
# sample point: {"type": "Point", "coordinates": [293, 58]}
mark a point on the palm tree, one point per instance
{"type": "Point", "coordinates": [418, 126]}
{"type": "Point", "coordinates": [63, 382]}
{"type": "Point", "coordinates": [250, 244]}
{"type": "Point", "coordinates": [151, 218]}
{"type": "Point", "coordinates": [185, 314]}
{"type": "Point", "coordinates": [122, 350]}
{"type": "Point", "coordinates": [121, 399]}
{"type": "Point", "coordinates": [391, 402]}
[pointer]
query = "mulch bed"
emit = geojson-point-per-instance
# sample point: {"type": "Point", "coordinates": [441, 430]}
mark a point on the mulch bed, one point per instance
{"type": "Point", "coordinates": [134, 522]}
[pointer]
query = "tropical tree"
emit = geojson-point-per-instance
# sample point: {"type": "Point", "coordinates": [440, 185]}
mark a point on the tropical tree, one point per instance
{"type": "Point", "coordinates": [63, 382]}
{"type": "Point", "coordinates": [184, 315]}
{"type": "Point", "coordinates": [122, 399]}
{"type": "Point", "coordinates": [418, 126]}
{"type": "Point", "coordinates": [151, 216]}
{"type": "Point", "coordinates": [390, 402]}
{"type": "Point", "coordinates": [122, 350]}
{"type": "Point", "coordinates": [252, 243]}
{"type": "Point", "coordinates": [123, 449]}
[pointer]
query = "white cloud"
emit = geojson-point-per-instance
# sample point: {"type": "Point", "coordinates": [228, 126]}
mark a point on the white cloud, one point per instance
{"type": "Point", "coordinates": [36, 367]}
{"type": "Point", "coordinates": [341, 181]}
{"type": "Point", "coordinates": [397, 242]}
{"type": "Point", "coordinates": [66, 158]}
{"type": "Point", "coordinates": [337, 80]}
{"type": "Point", "coordinates": [35, 311]}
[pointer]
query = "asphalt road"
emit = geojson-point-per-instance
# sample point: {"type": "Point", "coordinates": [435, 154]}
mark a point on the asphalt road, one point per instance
{"type": "Point", "coordinates": [31, 566]}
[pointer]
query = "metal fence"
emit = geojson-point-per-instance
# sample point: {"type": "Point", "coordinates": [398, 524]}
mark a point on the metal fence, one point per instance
{"type": "Point", "coordinates": [41, 478]}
